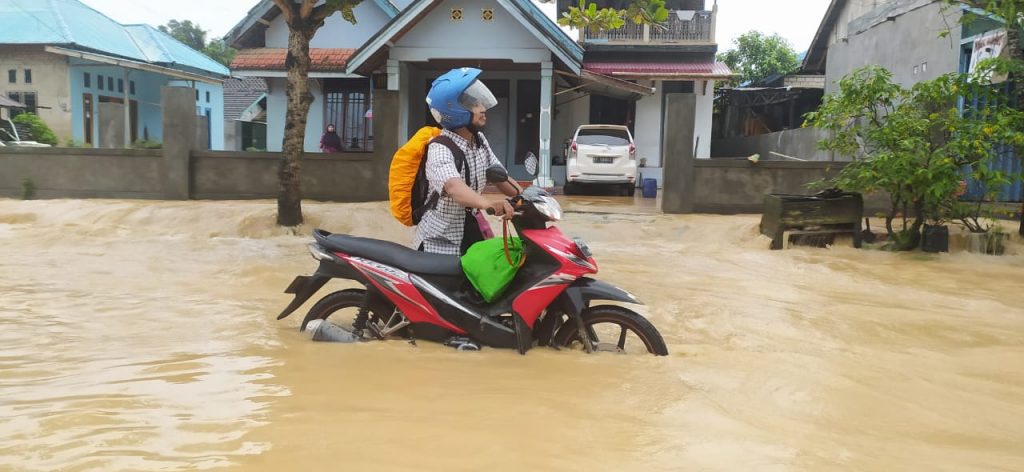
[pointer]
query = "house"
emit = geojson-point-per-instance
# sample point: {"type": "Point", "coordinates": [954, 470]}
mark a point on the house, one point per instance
{"type": "Point", "coordinates": [245, 114]}
{"type": "Point", "coordinates": [546, 81]}
{"type": "Point", "coordinates": [906, 37]}
{"type": "Point", "coordinates": [97, 82]}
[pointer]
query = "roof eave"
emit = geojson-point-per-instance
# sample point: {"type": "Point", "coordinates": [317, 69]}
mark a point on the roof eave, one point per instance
{"type": "Point", "coordinates": [572, 56]}
{"type": "Point", "coordinates": [827, 23]}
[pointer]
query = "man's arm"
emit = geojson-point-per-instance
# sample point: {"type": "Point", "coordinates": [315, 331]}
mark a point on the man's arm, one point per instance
{"type": "Point", "coordinates": [467, 197]}
{"type": "Point", "coordinates": [510, 188]}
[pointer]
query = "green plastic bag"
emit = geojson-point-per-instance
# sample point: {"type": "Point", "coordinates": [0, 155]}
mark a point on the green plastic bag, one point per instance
{"type": "Point", "coordinates": [488, 269]}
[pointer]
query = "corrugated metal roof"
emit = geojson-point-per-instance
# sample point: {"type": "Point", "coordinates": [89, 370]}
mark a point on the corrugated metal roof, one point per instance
{"type": "Point", "coordinates": [240, 94]}
{"type": "Point", "coordinates": [72, 24]}
{"type": "Point", "coordinates": [8, 103]}
{"type": "Point", "coordinates": [708, 70]}
{"type": "Point", "coordinates": [162, 48]}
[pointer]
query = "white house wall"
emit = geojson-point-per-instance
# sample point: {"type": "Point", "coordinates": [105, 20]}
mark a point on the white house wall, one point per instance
{"type": "Point", "coordinates": [439, 37]}
{"type": "Point", "coordinates": [702, 120]}
{"type": "Point", "coordinates": [336, 32]}
{"type": "Point", "coordinates": [277, 104]}
{"type": "Point", "coordinates": [49, 82]}
{"type": "Point", "coordinates": [647, 129]}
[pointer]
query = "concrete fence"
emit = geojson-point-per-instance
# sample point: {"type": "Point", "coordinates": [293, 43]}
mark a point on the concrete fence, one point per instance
{"type": "Point", "coordinates": [800, 143]}
{"type": "Point", "coordinates": [179, 171]}
{"type": "Point", "coordinates": [726, 186]}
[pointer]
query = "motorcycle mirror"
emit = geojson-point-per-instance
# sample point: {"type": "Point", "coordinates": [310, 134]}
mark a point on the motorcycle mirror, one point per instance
{"type": "Point", "coordinates": [496, 175]}
{"type": "Point", "coordinates": [531, 164]}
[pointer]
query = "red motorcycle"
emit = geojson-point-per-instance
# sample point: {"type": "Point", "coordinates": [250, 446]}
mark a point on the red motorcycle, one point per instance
{"type": "Point", "coordinates": [422, 296]}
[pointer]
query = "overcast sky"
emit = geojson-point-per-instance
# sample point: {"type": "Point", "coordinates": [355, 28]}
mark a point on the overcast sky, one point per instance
{"type": "Point", "coordinates": [796, 20]}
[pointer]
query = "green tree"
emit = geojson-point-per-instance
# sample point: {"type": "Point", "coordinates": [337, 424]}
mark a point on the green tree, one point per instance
{"type": "Point", "coordinates": [219, 51]}
{"type": "Point", "coordinates": [187, 32]}
{"type": "Point", "coordinates": [304, 18]}
{"type": "Point", "coordinates": [193, 36]}
{"type": "Point", "coordinates": [652, 12]}
{"type": "Point", "coordinates": [914, 144]}
{"type": "Point", "coordinates": [756, 56]}
{"type": "Point", "coordinates": [589, 17]}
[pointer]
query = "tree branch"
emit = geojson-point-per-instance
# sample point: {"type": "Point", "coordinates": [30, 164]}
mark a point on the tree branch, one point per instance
{"type": "Point", "coordinates": [306, 10]}
{"type": "Point", "coordinates": [287, 8]}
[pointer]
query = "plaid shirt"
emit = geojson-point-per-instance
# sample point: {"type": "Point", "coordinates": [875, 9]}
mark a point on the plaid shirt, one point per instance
{"type": "Point", "coordinates": [441, 229]}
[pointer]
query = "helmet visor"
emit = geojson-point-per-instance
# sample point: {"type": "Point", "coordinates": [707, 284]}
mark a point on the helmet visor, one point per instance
{"type": "Point", "coordinates": [477, 98]}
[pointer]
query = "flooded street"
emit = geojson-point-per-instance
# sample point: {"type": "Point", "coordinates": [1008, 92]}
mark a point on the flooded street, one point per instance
{"type": "Point", "coordinates": [141, 336]}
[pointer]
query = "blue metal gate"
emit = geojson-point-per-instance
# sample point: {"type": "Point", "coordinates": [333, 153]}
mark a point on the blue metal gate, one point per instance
{"type": "Point", "coordinates": [1006, 160]}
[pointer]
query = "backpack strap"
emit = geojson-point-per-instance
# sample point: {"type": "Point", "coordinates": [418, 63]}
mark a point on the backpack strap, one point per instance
{"type": "Point", "coordinates": [460, 157]}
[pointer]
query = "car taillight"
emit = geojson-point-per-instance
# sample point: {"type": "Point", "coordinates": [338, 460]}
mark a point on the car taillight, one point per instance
{"type": "Point", "coordinates": [632, 152]}
{"type": "Point", "coordinates": [572, 150]}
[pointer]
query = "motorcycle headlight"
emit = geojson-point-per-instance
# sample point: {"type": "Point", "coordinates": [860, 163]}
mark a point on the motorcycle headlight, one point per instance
{"type": "Point", "coordinates": [548, 207]}
{"type": "Point", "coordinates": [583, 248]}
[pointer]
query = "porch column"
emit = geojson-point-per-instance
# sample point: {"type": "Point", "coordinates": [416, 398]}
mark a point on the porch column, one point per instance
{"type": "Point", "coordinates": [393, 74]}
{"type": "Point", "coordinates": [544, 177]}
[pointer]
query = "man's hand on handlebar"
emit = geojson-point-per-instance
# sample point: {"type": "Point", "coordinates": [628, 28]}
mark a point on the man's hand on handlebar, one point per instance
{"type": "Point", "coordinates": [501, 208]}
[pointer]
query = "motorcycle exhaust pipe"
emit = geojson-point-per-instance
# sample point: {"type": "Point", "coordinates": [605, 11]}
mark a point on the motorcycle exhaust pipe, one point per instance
{"type": "Point", "coordinates": [325, 331]}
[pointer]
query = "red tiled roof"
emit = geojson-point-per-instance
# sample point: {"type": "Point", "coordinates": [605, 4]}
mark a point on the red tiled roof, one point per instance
{"type": "Point", "coordinates": [323, 59]}
{"type": "Point", "coordinates": [708, 70]}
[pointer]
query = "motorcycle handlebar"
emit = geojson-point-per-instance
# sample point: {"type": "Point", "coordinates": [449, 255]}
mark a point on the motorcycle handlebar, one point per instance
{"type": "Point", "coordinates": [516, 202]}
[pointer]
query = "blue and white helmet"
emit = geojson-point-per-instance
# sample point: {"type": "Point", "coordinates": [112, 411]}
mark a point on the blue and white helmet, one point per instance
{"type": "Point", "coordinates": [454, 96]}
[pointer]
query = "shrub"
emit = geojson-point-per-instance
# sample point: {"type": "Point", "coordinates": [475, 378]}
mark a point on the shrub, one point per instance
{"type": "Point", "coordinates": [40, 132]}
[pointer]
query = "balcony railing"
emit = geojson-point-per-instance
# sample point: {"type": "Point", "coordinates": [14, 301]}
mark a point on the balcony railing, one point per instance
{"type": "Point", "coordinates": [682, 27]}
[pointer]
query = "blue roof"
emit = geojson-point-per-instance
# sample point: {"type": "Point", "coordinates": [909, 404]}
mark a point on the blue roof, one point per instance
{"type": "Point", "coordinates": [162, 48]}
{"type": "Point", "coordinates": [72, 24]}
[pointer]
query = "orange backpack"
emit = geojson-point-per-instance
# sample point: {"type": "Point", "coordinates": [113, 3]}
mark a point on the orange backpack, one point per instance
{"type": "Point", "coordinates": [408, 190]}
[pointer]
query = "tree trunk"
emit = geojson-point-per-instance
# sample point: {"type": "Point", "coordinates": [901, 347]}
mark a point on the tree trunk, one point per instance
{"type": "Point", "coordinates": [289, 198]}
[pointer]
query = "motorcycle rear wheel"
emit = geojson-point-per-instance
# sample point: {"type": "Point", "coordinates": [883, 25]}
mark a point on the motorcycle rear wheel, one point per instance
{"type": "Point", "coordinates": [598, 319]}
{"type": "Point", "coordinates": [339, 301]}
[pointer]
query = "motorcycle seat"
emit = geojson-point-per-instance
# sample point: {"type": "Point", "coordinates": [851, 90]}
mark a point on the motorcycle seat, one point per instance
{"type": "Point", "coordinates": [391, 254]}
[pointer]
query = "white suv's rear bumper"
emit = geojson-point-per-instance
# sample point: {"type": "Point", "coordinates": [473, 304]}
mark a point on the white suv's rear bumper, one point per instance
{"type": "Point", "coordinates": [619, 173]}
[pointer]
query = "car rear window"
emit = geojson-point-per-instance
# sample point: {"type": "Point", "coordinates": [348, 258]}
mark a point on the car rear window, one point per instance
{"type": "Point", "coordinates": [611, 137]}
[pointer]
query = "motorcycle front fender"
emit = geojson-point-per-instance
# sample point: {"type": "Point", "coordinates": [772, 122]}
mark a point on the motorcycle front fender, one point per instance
{"type": "Point", "coordinates": [577, 297]}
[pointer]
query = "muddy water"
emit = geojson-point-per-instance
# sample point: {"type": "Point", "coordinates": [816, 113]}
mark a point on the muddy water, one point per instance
{"type": "Point", "coordinates": [140, 336]}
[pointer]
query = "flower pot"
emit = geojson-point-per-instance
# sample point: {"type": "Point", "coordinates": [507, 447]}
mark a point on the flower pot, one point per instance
{"type": "Point", "coordinates": [935, 238]}
{"type": "Point", "coordinates": [985, 243]}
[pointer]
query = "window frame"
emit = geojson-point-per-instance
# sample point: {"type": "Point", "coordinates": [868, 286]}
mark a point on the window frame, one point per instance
{"type": "Point", "coordinates": [348, 89]}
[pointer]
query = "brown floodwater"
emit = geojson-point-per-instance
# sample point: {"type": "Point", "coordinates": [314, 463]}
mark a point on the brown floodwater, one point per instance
{"type": "Point", "coordinates": [141, 336]}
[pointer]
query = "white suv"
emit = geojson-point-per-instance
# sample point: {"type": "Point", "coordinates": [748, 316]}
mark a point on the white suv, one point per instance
{"type": "Point", "coordinates": [601, 154]}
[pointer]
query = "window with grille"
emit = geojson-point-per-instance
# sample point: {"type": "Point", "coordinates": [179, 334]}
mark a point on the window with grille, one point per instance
{"type": "Point", "coordinates": [28, 99]}
{"type": "Point", "coordinates": [347, 107]}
